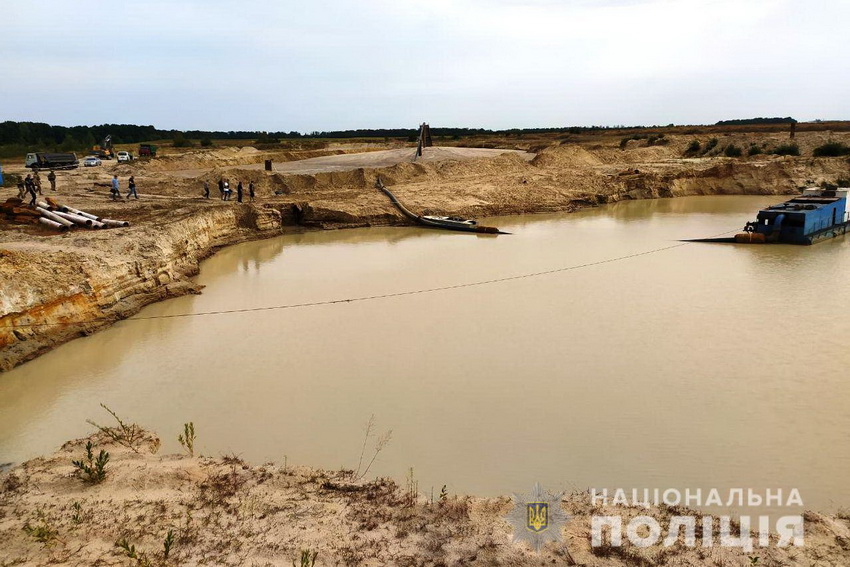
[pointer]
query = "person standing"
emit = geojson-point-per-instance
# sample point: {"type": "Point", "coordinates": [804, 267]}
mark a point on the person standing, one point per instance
{"type": "Point", "coordinates": [206, 190]}
{"type": "Point", "coordinates": [251, 191]}
{"type": "Point", "coordinates": [52, 178]}
{"type": "Point", "coordinates": [131, 184]}
{"type": "Point", "coordinates": [226, 190]}
{"type": "Point", "coordinates": [116, 191]}
{"type": "Point", "coordinates": [221, 187]}
{"type": "Point", "coordinates": [239, 192]}
{"type": "Point", "coordinates": [36, 179]}
{"type": "Point", "coordinates": [29, 185]}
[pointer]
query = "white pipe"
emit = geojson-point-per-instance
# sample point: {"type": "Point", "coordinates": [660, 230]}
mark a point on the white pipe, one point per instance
{"type": "Point", "coordinates": [74, 211]}
{"type": "Point", "coordinates": [82, 221]}
{"type": "Point", "coordinates": [44, 205]}
{"type": "Point", "coordinates": [97, 224]}
{"type": "Point", "coordinates": [114, 223]}
{"type": "Point", "coordinates": [54, 217]}
{"type": "Point", "coordinates": [52, 223]}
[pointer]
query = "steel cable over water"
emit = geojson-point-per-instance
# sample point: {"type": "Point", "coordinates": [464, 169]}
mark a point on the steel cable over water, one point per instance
{"type": "Point", "coordinates": [379, 296]}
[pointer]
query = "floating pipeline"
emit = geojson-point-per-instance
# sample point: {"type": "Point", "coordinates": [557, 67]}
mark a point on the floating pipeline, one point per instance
{"type": "Point", "coordinates": [448, 223]}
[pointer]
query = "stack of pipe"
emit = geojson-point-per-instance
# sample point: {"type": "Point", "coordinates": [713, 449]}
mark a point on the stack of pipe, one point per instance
{"type": "Point", "coordinates": [49, 213]}
{"type": "Point", "coordinates": [107, 222]}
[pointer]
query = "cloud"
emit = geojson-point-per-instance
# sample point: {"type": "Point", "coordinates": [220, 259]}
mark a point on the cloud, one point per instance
{"type": "Point", "coordinates": [493, 63]}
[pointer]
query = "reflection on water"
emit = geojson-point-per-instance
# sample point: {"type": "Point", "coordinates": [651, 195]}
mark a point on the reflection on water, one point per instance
{"type": "Point", "coordinates": [699, 366]}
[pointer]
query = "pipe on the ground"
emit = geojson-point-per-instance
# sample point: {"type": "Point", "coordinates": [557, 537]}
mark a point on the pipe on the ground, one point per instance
{"type": "Point", "coordinates": [76, 219]}
{"type": "Point", "coordinates": [52, 223]}
{"type": "Point", "coordinates": [115, 223]}
{"type": "Point", "coordinates": [78, 212]}
{"type": "Point", "coordinates": [54, 217]}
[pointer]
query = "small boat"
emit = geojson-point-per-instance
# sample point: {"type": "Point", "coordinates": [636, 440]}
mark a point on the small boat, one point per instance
{"type": "Point", "coordinates": [450, 223]}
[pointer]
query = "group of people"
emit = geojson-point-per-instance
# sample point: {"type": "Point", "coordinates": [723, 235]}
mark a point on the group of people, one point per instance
{"type": "Point", "coordinates": [31, 185]}
{"type": "Point", "coordinates": [115, 191]}
{"type": "Point", "coordinates": [226, 192]}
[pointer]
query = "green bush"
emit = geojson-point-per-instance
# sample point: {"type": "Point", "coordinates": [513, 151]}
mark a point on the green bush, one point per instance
{"type": "Point", "coordinates": [206, 143]}
{"type": "Point", "coordinates": [181, 142]}
{"type": "Point", "coordinates": [791, 149]}
{"type": "Point", "coordinates": [92, 469]}
{"type": "Point", "coordinates": [754, 150]}
{"type": "Point", "coordinates": [732, 151]}
{"type": "Point", "coordinates": [831, 149]}
{"type": "Point", "coordinates": [693, 148]}
{"type": "Point", "coordinates": [624, 142]}
{"type": "Point", "coordinates": [710, 145]}
{"type": "Point", "coordinates": [264, 138]}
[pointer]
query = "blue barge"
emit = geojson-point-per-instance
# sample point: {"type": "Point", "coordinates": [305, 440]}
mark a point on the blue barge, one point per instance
{"type": "Point", "coordinates": [815, 215]}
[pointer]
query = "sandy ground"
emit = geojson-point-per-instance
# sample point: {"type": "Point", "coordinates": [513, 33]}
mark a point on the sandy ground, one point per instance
{"type": "Point", "coordinates": [387, 158]}
{"type": "Point", "coordinates": [222, 511]}
{"type": "Point", "coordinates": [375, 158]}
{"type": "Point", "coordinates": [57, 287]}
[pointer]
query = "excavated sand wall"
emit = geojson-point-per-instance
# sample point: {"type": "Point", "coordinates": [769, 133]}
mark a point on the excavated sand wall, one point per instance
{"type": "Point", "coordinates": [63, 295]}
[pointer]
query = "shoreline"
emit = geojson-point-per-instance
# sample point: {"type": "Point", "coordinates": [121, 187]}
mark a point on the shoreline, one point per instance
{"type": "Point", "coordinates": [227, 512]}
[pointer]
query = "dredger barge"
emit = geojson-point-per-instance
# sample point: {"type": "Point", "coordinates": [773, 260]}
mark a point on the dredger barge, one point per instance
{"type": "Point", "coordinates": [817, 214]}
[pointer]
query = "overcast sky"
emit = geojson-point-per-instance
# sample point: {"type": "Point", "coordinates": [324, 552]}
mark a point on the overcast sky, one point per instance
{"type": "Point", "coordinates": [318, 65]}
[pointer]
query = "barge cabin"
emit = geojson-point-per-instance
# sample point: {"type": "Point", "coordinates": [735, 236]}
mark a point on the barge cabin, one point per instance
{"type": "Point", "coordinates": [815, 215]}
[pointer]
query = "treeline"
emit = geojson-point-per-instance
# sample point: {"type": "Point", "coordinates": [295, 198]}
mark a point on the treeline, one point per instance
{"type": "Point", "coordinates": [751, 121]}
{"type": "Point", "coordinates": [38, 135]}
{"type": "Point", "coordinates": [444, 132]}
{"type": "Point", "coordinates": [35, 133]}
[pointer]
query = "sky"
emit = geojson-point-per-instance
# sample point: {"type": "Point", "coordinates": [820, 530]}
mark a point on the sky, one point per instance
{"type": "Point", "coordinates": [312, 65]}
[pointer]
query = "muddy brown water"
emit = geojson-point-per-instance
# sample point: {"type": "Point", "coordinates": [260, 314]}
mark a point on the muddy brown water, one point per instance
{"type": "Point", "coordinates": [698, 366]}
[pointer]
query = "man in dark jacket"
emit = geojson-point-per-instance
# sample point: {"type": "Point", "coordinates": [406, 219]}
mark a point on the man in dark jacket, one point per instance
{"type": "Point", "coordinates": [239, 192]}
{"type": "Point", "coordinates": [29, 185]}
{"type": "Point", "coordinates": [131, 184]}
{"type": "Point", "coordinates": [251, 191]}
{"type": "Point", "coordinates": [221, 187]}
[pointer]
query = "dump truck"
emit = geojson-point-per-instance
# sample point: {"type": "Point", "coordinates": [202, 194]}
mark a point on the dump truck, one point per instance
{"type": "Point", "coordinates": [39, 160]}
{"type": "Point", "coordinates": [147, 150]}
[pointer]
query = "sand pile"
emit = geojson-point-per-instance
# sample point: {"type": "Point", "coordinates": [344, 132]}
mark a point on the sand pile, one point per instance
{"type": "Point", "coordinates": [202, 159]}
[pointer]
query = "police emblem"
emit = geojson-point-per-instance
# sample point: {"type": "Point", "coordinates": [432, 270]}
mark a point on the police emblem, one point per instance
{"type": "Point", "coordinates": [537, 518]}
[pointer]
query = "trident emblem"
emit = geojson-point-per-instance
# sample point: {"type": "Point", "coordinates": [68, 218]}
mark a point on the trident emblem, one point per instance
{"type": "Point", "coordinates": [537, 516]}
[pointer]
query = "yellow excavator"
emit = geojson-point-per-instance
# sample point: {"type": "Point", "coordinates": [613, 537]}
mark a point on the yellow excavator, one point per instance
{"type": "Point", "coordinates": [104, 150]}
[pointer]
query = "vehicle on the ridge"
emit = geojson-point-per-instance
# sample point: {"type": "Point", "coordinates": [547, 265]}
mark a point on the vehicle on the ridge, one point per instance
{"type": "Point", "coordinates": [92, 161]}
{"type": "Point", "coordinates": [124, 156]}
{"type": "Point", "coordinates": [147, 150]}
{"type": "Point", "coordinates": [104, 149]}
{"type": "Point", "coordinates": [45, 160]}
